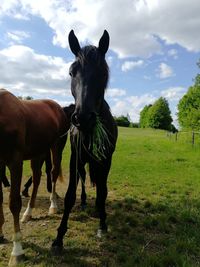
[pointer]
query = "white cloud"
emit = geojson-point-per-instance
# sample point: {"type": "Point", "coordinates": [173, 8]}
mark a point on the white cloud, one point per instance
{"type": "Point", "coordinates": [173, 93]}
{"type": "Point", "coordinates": [164, 71]}
{"type": "Point", "coordinates": [129, 65]}
{"type": "Point", "coordinates": [25, 72]}
{"type": "Point", "coordinates": [17, 36]}
{"type": "Point", "coordinates": [135, 34]}
{"type": "Point", "coordinates": [115, 92]}
{"type": "Point", "coordinates": [173, 53]}
{"type": "Point", "coordinates": [132, 105]}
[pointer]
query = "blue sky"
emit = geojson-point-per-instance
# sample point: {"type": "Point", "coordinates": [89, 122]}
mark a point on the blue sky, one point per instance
{"type": "Point", "coordinates": [154, 48]}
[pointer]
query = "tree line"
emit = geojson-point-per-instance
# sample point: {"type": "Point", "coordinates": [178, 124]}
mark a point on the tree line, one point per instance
{"type": "Point", "coordinates": [189, 106]}
{"type": "Point", "coordinates": [158, 114]}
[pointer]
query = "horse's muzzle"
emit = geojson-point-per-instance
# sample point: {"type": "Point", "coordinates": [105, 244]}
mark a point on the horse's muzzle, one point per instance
{"type": "Point", "coordinates": [84, 122]}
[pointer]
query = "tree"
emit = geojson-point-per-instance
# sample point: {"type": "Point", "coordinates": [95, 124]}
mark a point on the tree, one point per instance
{"type": "Point", "coordinates": [189, 108]}
{"type": "Point", "coordinates": [122, 121]}
{"type": "Point", "coordinates": [25, 97]}
{"type": "Point", "coordinates": [197, 78]}
{"type": "Point", "coordinates": [156, 116]}
{"type": "Point", "coordinates": [144, 116]}
{"type": "Point", "coordinates": [159, 115]}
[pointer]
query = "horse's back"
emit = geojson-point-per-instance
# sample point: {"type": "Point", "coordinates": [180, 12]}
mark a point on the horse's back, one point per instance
{"type": "Point", "coordinates": [45, 123]}
{"type": "Point", "coordinates": [29, 126]}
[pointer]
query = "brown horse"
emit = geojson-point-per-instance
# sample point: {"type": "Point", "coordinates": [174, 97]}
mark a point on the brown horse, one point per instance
{"type": "Point", "coordinates": [27, 130]}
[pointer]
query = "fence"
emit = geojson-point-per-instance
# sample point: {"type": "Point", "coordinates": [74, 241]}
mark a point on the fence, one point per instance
{"type": "Point", "coordinates": [185, 136]}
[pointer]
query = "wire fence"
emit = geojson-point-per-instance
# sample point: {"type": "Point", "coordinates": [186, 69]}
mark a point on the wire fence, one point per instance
{"type": "Point", "coordinates": [192, 137]}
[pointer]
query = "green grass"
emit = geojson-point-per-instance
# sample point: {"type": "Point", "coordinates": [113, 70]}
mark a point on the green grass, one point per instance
{"type": "Point", "coordinates": [153, 210]}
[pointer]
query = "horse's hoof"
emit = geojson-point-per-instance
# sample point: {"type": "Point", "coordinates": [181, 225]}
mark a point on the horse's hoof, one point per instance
{"type": "Point", "coordinates": [26, 218]}
{"type": "Point", "coordinates": [53, 211]}
{"type": "Point", "coordinates": [2, 239]}
{"type": "Point", "coordinates": [101, 232]}
{"type": "Point", "coordinates": [15, 260]}
{"type": "Point", "coordinates": [56, 250]}
{"type": "Point", "coordinates": [25, 194]}
{"type": "Point", "coordinates": [83, 207]}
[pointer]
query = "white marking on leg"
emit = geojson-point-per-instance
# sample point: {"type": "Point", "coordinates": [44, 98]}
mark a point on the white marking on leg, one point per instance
{"type": "Point", "coordinates": [27, 214]}
{"type": "Point", "coordinates": [17, 247]}
{"type": "Point", "coordinates": [53, 207]}
{"type": "Point", "coordinates": [99, 233]}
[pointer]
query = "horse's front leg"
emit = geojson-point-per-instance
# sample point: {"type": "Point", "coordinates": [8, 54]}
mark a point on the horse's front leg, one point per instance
{"type": "Point", "coordinates": [69, 202]}
{"type": "Point", "coordinates": [15, 204]}
{"type": "Point", "coordinates": [99, 173]}
{"type": "Point", "coordinates": [36, 169]}
{"type": "Point", "coordinates": [1, 213]}
{"type": "Point", "coordinates": [83, 192]}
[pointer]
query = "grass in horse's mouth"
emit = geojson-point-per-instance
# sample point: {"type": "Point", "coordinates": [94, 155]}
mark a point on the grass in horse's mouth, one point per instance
{"type": "Point", "coordinates": [99, 141]}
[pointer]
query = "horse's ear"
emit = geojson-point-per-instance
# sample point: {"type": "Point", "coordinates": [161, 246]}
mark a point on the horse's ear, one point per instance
{"type": "Point", "coordinates": [73, 43]}
{"type": "Point", "coordinates": [104, 43]}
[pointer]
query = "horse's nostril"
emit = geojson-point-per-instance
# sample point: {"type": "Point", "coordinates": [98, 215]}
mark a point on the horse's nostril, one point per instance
{"type": "Point", "coordinates": [75, 119]}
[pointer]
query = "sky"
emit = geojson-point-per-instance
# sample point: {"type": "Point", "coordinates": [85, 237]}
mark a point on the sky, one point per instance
{"type": "Point", "coordinates": [154, 48]}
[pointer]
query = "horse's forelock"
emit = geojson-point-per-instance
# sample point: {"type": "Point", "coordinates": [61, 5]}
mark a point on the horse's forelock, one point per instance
{"type": "Point", "coordinates": [90, 54]}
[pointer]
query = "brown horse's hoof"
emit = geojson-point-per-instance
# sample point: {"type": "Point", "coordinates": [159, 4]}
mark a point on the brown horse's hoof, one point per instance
{"type": "Point", "coordinates": [26, 218]}
{"type": "Point", "coordinates": [15, 260]}
{"type": "Point", "coordinates": [53, 211]}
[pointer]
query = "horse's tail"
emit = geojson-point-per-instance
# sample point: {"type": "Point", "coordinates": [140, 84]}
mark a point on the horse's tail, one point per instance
{"type": "Point", "coordinates": [60, 175]}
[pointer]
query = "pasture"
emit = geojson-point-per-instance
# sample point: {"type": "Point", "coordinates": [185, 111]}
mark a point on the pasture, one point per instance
{"type": "Point", "coordinates": [153, 208]}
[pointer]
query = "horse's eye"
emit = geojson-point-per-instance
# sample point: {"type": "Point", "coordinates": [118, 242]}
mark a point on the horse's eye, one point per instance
{"type": "Point", "coordinates": [70, 73]}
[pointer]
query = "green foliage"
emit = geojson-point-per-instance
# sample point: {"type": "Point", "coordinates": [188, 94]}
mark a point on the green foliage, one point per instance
{"type": "Point", "coordinates": [134, 125]}
{"type": "Point", "coordinates": [197, 78]}
{"type": "Point", "coordinates": [25, 97]}
{"type": "Point", "coordinates": [123, 121]}
{"type": "Point", "coordinates": [189, 109]}
{"type": "Point", "coordinates": [156, 116]}
{"type": "Point", "coordinates": [144, 116]}
{"type": "Point", "coordinates": [189, 106]}
{"type": "Point", "coordinates": [159, 115]}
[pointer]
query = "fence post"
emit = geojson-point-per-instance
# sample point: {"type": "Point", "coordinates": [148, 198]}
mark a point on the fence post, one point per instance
{"type": "Point", "coordinates": [192, 138]}
{"type": "Point", "coordinates": [176, 136]}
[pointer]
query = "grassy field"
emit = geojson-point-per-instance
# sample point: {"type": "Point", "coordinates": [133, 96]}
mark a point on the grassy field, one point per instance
{"type": "Point", "coordinates": [153, 210]}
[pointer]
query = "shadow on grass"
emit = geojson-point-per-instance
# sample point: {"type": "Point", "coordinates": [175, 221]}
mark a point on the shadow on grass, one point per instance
{"type": "Point", "coordinates": [141, 233]}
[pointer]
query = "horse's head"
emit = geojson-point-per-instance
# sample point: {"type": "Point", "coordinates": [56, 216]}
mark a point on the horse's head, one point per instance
{"type": "Point", "coordinates": [89, 77]}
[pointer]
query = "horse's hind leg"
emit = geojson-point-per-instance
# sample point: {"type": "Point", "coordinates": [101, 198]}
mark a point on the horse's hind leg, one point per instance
{"type": "Point", "coordinates": [3, 176]}
{"type": "Point", "coordinates": [36, 165]}
{"type": "Point", "coordinates": [56, 158]}
{"type": "Point", "coordinates": [1, 213]}
{"type": "Point", "coordinates": [48, 170]}
{"type": "Point", "coordinates": [99, 173]}
{"type": "Point", "coordinates": [56, 172]}
{"type": "Point", "coordinates": [15, 204]}
{"type": "Point", "coordinates": [26, 187]}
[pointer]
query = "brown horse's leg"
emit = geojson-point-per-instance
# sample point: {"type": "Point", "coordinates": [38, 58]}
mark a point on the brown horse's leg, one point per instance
{"type": "Point", "coordinates": [36, 165]}
{"type": "Point", "coordinates": [56, 150]}
{"type": "Point", "coordinates": [15, 204]}
{"type": "Point", "coordinates": [56, 158]}
{"type": "Point", "coordinates": [1, 213]}
{"type": "Point", "coordinates": [48, 170]}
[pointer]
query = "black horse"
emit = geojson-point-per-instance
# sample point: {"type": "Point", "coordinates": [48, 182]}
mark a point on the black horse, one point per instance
{"type": "Point", "coordinates": [93, 135]}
